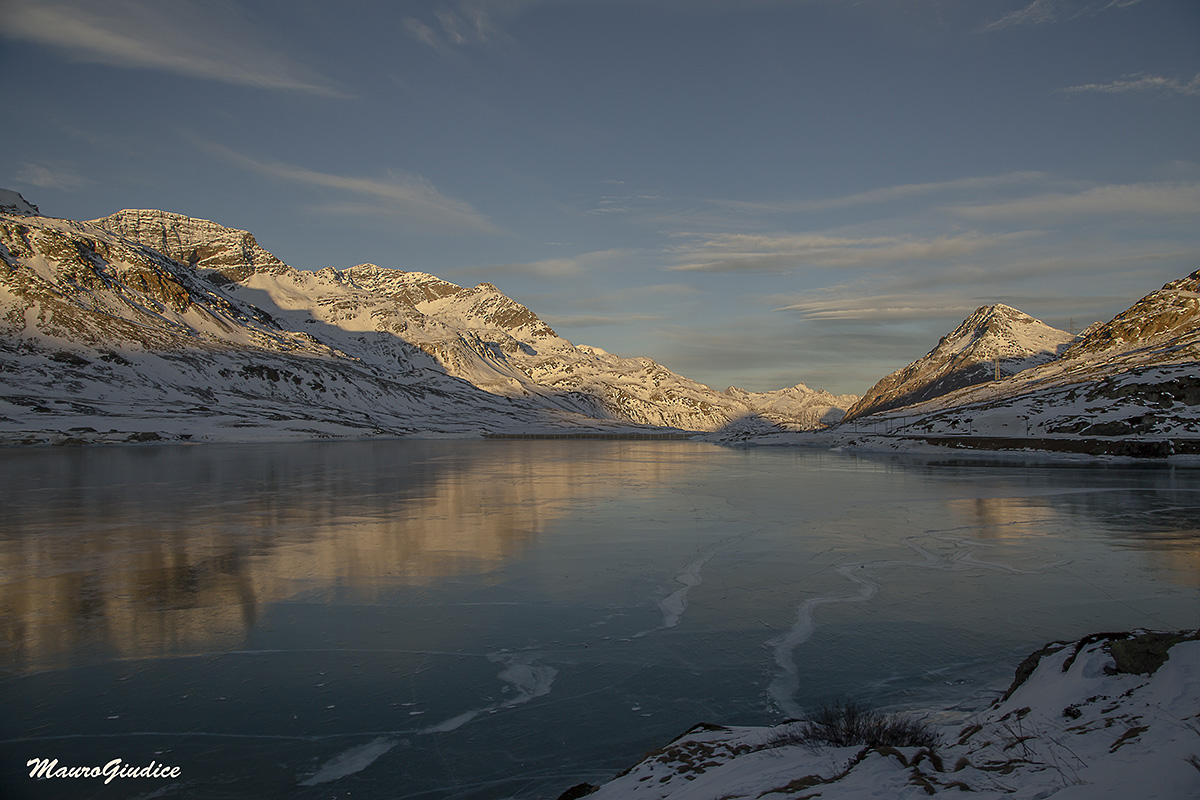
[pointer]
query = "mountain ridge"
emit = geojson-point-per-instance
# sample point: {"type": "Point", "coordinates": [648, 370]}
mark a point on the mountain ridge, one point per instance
{"type": "Point", "coordinates": [996, 340]}
{"type": "Point", "coordinates": [147, 307]}
{"type": "Point", "coordinates": [1129, 386]}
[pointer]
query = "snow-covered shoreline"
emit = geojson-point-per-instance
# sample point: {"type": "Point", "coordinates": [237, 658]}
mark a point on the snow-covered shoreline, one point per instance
{"type": "Point", "coordinates": [1111, 716]}
{"type": "Point", "coordinates": [133, 431]}
{"type": "Point", "coordinates": [1183, 452]}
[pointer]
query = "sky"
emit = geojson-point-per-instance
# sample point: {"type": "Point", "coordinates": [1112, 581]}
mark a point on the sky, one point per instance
{"type": "Point", "coordinates": [751, 192]}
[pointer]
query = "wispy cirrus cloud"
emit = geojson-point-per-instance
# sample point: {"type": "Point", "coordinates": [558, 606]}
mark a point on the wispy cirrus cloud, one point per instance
{"type": "Point", "coordinates": [1161, 200]}
{"type": "Point", "coordinates": [207, 40]}
{"type": "Point", "coordinates": [551, 267]}
{"type": "Point", "coordinates": [1039, 12]}
{"type": "Point", "coordinates": [761, 253]}
{"type": "Point", "coordinates": [889, 194]}
{"type": "Point", "coordinates": [403, 195]}
{"type": "Point", "coordinates": [952, 292]}
{"type": "Point", "coordinates": [884, 307]}
{"type": "Point", "coordinates": [1142, 82]}
{"type": "Point", "coordinates": [466, 22]}
{"type": "Point", "coordinates": [1049, 12]}
{"type": "Point", "coordinates": [599, 320]}
{"type": "Point", "coordinates": [63, 175]}
{"type": "Point", "coordinates": [544, 268]}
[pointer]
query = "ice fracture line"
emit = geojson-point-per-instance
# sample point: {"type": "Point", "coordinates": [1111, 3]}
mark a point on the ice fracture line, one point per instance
{"type": "Point", "coordinates": [786, 682]}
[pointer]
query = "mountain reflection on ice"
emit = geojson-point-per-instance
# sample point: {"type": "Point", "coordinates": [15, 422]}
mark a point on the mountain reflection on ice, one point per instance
{"type": "Point", "coordinates": [164, 550]}
{"type": "Point", "coordinates": [509, 618]}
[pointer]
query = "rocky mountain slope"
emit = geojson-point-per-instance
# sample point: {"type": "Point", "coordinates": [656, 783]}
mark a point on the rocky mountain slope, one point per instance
{"type": "Point", "coordinates": [149, 324]}
{"type": "Point", "coordinates": [1130, 386]}
{"type": "Point", "coordinates": [995, 340]}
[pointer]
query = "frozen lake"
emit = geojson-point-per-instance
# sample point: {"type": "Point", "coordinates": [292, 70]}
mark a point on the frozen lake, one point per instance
{"type": "Point", "coordinates": [490, 619]}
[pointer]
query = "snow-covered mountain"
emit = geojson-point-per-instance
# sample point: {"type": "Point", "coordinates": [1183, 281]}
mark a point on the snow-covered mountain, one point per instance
{"type": "Point", "coordinates": [159, 325]}
{"type": "Point", "coordinates": [1130, 386]}
{"type": "Point", "coordinates": [995, 341]}
{"type": "Point", "coordinates": [13, 203]}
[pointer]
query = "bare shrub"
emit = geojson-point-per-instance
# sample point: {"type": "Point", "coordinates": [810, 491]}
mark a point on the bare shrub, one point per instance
{"type": "Point", "coordinates": [847, 723]}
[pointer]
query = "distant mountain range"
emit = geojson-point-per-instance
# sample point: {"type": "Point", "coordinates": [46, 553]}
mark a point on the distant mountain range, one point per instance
{"type": "Point", "coordinates": [151, 326]}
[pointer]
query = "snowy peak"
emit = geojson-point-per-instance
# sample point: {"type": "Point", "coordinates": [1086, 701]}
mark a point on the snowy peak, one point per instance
{"type": "Point", "coordinates": [198, 243]}
{"type": "Point", "coordinates": [12, 203]}
{"type": "Point", "coordinates": [409, 288]}
{"type": "Point", "coordinates": [995, 339]}
{"type": "Point", "coordinates": [1000, 330]}
{"type": "Point", "coordinates": [485, 306]}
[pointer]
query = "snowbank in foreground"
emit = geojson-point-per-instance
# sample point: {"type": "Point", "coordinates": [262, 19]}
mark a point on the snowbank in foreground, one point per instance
{"type": "Point", "coordinates": [1104, 718]}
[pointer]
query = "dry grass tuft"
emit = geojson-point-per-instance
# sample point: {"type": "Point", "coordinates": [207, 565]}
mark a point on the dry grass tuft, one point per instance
{"type": "Point", "coordinates": [848, 723]}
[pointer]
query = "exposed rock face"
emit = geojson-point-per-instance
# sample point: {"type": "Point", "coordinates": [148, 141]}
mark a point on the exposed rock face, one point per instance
{"type": "Point", "coordinates": [1157, 318]}
{"type": "Point", "coordinates": [145, 309]}
{"type": "Point", "coordinates": [195, 242]}
{"type": "Point", "coordinates": [994, 339]}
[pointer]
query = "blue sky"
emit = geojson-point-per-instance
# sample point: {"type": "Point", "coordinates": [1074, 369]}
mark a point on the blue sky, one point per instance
{"type": "Point", "coordinates": [752, 192]}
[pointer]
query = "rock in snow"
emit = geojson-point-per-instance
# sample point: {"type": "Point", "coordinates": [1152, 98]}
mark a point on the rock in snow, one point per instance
{"type": "Point", "coordinates": [1110, 717]}
{"type": "Point", "coordinates": [147, 325]}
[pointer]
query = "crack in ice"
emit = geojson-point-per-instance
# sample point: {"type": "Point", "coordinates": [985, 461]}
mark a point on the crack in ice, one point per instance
{"type": "Point", "coordinates": [673, 605]}
{"type": "Point", "coordinates": [520, 672]}
{"type": "Point", "coordinates": [786, 682]}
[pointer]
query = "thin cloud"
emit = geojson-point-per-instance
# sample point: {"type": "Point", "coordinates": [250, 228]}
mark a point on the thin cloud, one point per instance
{"type": "Point", "coordinates": [599, 320]}
{"type": "Point", "coordinates": [425, 35]}
{"type": "Point", "coordinates": [756, 253]}
{"type": "Point", "coordinates": [1137, 200]}
{"type": "Point", "coordinates": [889, 194]}
{"type": "Point", "coordinates": [1039, 12]}
{"type": "Point", "coordinates": [57, 175]}
{"type": "Point", "coordinates": [467, 22]}
{"type": "Point", "coordinates": [552, 267]}
{"type": "Point", "coordinates": [1142, 82]}
{"type": "Point", "coordinates": [546, 268]}
{"type": "Point", "coordinates": [1050, 12]}
{"type": "Point", "coordinates": [402, 194]}
{"type": "Point", "coordinates": [881, 308]}
{"type": "Point", "coordinates": [211, 41]}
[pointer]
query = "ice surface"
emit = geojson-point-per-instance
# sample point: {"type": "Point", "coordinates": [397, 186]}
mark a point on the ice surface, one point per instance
{"type": "Point", "coordinates": [527, 679]}
{"type": "Point", "coordinates": [277, 615]}
{"type": "Point", "coordinates": [356, 759]}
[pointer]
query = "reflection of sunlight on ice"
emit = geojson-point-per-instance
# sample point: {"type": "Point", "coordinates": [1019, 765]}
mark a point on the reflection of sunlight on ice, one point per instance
{"type": "Point", "coordinates": [1002, 517]}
